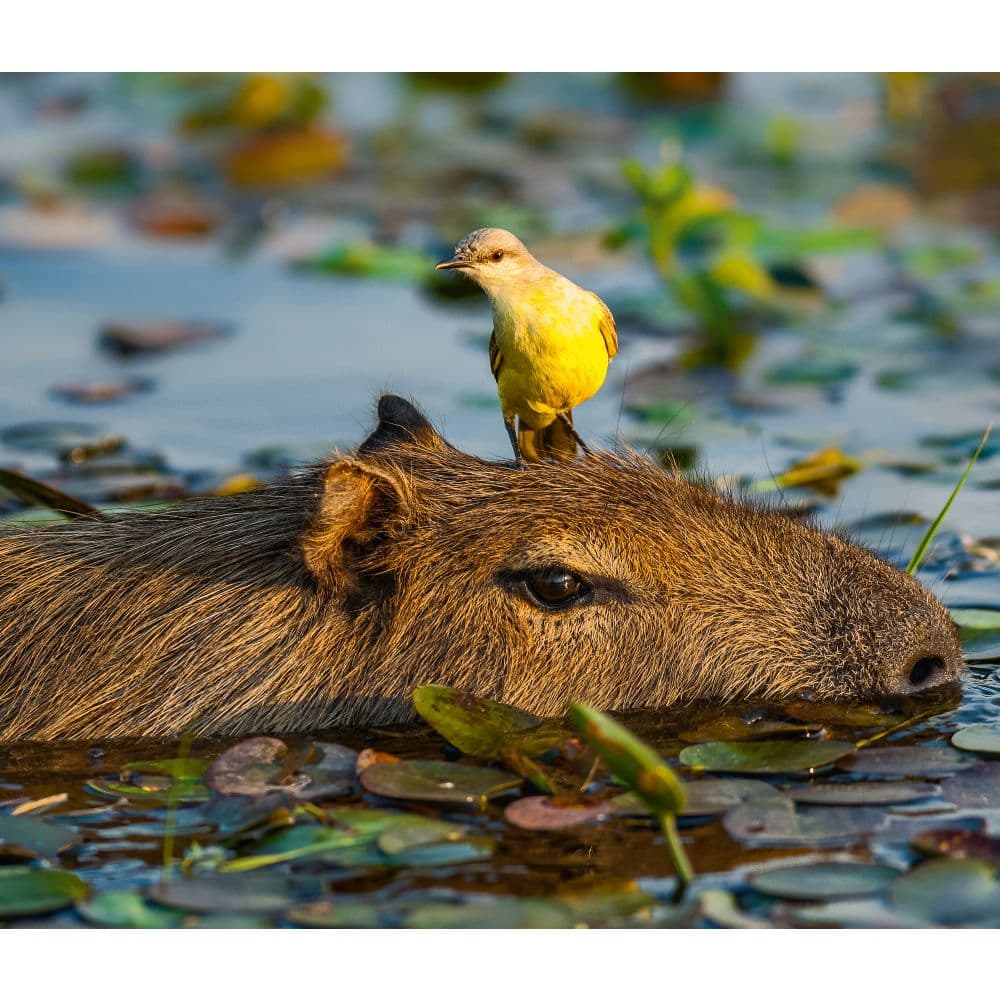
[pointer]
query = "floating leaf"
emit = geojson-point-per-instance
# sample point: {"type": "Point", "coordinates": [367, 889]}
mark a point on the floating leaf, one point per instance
{"type": "Point", "coordinates": [765, 756]}
{"type": "Point", "coordinates": [101, 392]}
{"type": "Point", "coordinates": [369, 260]}
{"type": "Point", "coordinates": [481, 727]}
{"type": "Point", "coordinates": [820, 471]}
{"type": "Point", "coordinates": [981, 737]}
{"type": "Point", "coordinates": [149, 789]}
{"type": "Point", "coordinates": [955, 842]}
{"type": "Point", "coordinates": [412, 831]}
{"type": "Point", "coordinates": [976, 619]}
{"type": "Point", "coordinates": [905, 761]}
{"type": "Point", "coordinates": [719, 907]}
{"type": "Point", "coordinates": [506, 912]}
{"type": "Point", "coordinates": [782, 823]}
{"type": "Point", "coordinates": [753, 726]}
{"type": "Point", "coordinates": [708, 797]}
{"type": "Point", "coordinates": [34, 837]}
{"type": "Point", "coordinates": [976, 787]}
{"type": "Point", "coordinates": [246, 893]}
{"type": "Point", "coordinates": [290, 156]}
{"type": "Point", "coordinates": [156, 336]}
{"type": "Point", "coordinates": [341, 914]}
{"type": "Point", "coordinates": [29, 891]}
{"type": "Point", "coordinates": [437, 781]}
{"type": "Point", "coordinates": [181, 768]}
{"type": "Point", "coordinates": [541, 812]}
{"type": "Point", "coordinates": [127, 910]}
{"type": "Point", "coordinates": [812, 371]}
{"type": "Point", "coordinates": [949, 891]}
{"type": "Point", "coordinates": [863, 793]}
{"type": "Point", "coordinates": [251, 767]}
{"type": "Point", "coordinates": [825, 880]}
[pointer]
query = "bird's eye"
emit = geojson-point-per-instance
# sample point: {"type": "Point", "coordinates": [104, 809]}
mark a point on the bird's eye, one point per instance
{"type": "Point", "coordinates": [497, 255]}
{"type": "Point", "coordinates": [555, 588]}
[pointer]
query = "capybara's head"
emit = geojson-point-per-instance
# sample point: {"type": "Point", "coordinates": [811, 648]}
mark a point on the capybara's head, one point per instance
{"type": "Point", "coordinates": [608, 578]}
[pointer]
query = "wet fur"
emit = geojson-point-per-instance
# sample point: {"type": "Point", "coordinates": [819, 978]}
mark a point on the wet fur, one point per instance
{"type": "Point", "coordinates": [323, 599]}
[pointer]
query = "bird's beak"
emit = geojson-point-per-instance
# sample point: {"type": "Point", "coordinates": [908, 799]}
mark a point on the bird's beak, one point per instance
{"type": "Point", "coordinates": [447, 265]}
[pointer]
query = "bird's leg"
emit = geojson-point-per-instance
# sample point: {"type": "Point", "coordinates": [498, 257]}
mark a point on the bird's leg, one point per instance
{"type": "Point", "coordinates": [508, 422]}
{"type": "Point", "coordinates": [566, 419]}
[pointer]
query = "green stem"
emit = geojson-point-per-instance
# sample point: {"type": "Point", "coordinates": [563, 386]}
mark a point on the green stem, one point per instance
{"type": "Point", "coordinates": [682, 867]}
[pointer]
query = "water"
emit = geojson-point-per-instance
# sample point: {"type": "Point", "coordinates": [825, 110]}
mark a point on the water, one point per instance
{"type": "Point", "coordinates": [308, 354]}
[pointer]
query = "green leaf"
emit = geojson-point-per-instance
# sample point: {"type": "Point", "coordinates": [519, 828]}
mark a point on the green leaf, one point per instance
{"type": "Point", "coordinates": [127, 910]}
{"type": "Point", "coordinates": [949, 891]}
{"type": "Point", "coordinates": [925, 542]}
{"type": "Point", "coordinates": [780, 823]}
{"type": "Point", "coordinates": [505, 912]}
{"type": "Point", "coordinates": [481, 727]}
{"type": "Point", "coordinates": [765, 756]}
{"type": "Point", "coordinates": [29, 891]}
{"type": "Point", "coordinates": [34, 836]}
{"type": "Point", "coordinates": [976, 619]}
{"type": "Point", "coordinates": [982, 737]}
{"type": "Point", "coordinates": [437, 781]}
{"type": "Point", "coordinates": [826, 880]}
{"type": "Point", "coordinates": [639, 766]}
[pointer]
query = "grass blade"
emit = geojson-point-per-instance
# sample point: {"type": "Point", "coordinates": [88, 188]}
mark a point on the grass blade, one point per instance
{"type": "Point", "coordinates": [31, 491]}
{"type": "Point", "coordinates": [925, 542]}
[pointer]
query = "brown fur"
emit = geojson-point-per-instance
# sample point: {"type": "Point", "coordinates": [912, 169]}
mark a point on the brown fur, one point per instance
{"type": "Point", "coordinates": [324, 599]}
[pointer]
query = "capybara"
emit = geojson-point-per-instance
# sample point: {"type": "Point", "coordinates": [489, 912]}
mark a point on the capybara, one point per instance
{"type": "Point", "coordinates": [324, 599]}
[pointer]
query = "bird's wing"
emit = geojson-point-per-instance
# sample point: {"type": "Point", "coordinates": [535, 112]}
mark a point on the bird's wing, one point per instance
{"type": "Point", "coordinates": [496, 358]}
{"type": "Point", "coordinates": [608, 329]}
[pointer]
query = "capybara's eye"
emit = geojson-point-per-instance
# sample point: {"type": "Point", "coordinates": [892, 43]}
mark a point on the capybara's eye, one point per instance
{"type": "Point", "coordinates": [555, 588]}
{"type": "Point", "coordinates": [498, 254]}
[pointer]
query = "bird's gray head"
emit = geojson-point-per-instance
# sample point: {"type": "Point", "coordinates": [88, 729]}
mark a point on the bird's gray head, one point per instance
{"type": "Point", "coordinates": [491, 257]}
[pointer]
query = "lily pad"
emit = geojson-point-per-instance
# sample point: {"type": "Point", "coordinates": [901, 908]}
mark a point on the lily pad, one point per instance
{"type": "Point", "coordinates": [34, 837]}
{"type": "Point", "coordinates": [954, 842]}
{"type": "Point", "coordinates": [437, 781]}
{"type": "Point", "coordinates": [481, 727]}
{"type": "Point", "coordinates": [922, 761]}
{"type": "Point", "coordinates": [504, 913]}
{"type": "Point", "coordinates": [949, 891]}
{"type": "Point", "coordinates": [29, 891]}
{"type": "Point", "coordinates": [127, 910]}
{"type": "Point", "coordinates": [976, 787]}
{"type": "Point", "coordinates": [330, 913]}
{"type": "Point", "coordinates": [825, 880]}
{"type": "Point", "coordinates": [541, 812]}
{"type": "Point", "coordinates": [245, 893]}
{"type": "Point", "coordinates": [765, 756]}
{"type": "Point", "coordinates": [720, 908]}
{"type": "Point", "coordinates": [981, 737]}
{"type": "Point", "coordinates": [863, 793]}
{"type": "Point", "coordinates": [708, 797]}
{"type": "Point", "coordinates": [976, 619]}
{"type": "Point", "coordinates": [782, 823]}
{"type": "Point", "coordinates": [144, 790]}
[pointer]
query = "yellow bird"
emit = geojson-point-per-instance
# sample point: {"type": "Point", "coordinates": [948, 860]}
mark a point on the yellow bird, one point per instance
{"type": "Point", "coordinates": [551, 342]}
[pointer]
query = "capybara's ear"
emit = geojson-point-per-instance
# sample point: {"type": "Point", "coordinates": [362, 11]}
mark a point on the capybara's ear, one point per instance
{"type": "Point", "coordinates": [357, 507]}
{"type": "Point", "coordinates": [400, 422]}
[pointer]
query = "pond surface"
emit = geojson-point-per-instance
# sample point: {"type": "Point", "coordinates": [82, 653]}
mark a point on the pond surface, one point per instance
{"type": "Point", "coordinates": [871, 363]}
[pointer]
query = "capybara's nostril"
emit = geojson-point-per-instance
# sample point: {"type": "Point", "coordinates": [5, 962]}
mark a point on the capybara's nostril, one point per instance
{"type": "Point", "coordinates": [927, 671]}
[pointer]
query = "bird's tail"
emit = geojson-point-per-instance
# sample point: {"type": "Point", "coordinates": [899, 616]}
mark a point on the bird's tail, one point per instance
{"type": "Point", "coordinates": [556, 441]}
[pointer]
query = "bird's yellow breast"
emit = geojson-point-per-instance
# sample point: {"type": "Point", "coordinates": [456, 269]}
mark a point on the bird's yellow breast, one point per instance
{"type": "Point", "coordinates": [554, 356]}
